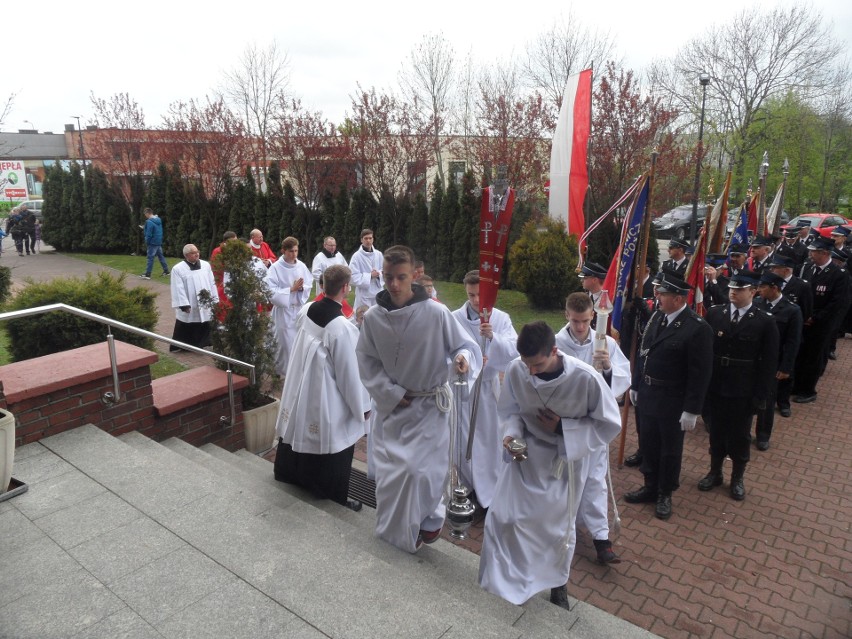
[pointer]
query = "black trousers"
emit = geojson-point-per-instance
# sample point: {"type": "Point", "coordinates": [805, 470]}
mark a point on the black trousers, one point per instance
{"type": "Point", "coordinates": [661, 438]}
{"type": "Point", "coordinates": [766, 417]}
{"type": "Point", "coordinates": [730, 430]}
{"type": "Point", "coordinates": [812, 354]}
{"type": "Point", "coordinates": [326, 476]}
{"type": "Point", "coordinates": [783, 392]}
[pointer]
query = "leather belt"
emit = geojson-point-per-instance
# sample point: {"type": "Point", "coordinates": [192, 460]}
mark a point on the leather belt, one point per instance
{"type": "Point", "coordinates": [725, 361]}
{"type": "Point", "coordinates": [651, 381]}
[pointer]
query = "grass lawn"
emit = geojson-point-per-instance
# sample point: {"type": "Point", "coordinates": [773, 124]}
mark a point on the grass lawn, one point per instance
{"type": "Point", "coordinates": [130, 264]}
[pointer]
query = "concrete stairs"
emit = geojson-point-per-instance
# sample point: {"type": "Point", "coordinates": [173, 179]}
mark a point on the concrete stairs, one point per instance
{"type": "Point", "coordinates": [128, 537]}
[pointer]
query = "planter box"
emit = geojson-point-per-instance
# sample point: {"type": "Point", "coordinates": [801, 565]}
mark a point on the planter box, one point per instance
{"type": "Point", "coordinates": [259, 424]}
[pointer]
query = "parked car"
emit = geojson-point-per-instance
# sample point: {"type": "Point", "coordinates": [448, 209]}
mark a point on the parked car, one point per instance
{"type": "Point", "coordinates": [824, 223]}
{"type": "Point", "coordinates": [675, 223]}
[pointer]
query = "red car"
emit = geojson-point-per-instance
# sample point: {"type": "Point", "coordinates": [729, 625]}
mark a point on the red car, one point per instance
{"type": "Point", "coordinates": [824, 223]}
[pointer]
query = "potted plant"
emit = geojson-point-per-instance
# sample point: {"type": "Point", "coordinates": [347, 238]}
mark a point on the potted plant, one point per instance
{"type": "Point", "coordinates": [241, 330]}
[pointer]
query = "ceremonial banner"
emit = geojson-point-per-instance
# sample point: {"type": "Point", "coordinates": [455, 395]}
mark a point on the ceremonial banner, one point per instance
{"type": "Point", "coordinates": [695, 273]}
{"type": "Point", "coordinates": [569, 175]}
{"type": "Point", "coordinates": [618, 277]}
{"type": "Point", "coordinates": [774, 210]}
{"type": "Point", "coordinates": [752, 215]}
{"type": "Point", "coordinates": [740, 234]}
{"type": "Point", "coordinates": [719, 219]}
{"type": "Point", "coordinates": [495, 220]}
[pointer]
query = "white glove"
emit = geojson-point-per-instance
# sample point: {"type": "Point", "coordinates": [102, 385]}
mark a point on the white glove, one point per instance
{"type": "Point", "coordinates": [634, 397]}
{"type": "Point", "coordinates": [687, 421]}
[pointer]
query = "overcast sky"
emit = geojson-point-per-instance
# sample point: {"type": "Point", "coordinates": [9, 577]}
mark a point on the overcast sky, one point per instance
{"type": "Point", "coordinates": [159, 51]}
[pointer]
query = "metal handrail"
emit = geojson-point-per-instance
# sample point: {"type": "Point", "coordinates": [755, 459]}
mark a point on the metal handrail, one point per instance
{"type": "Point", "coordinates": [115, 396]}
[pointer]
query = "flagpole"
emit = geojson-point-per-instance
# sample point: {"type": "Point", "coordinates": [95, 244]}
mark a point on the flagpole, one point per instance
{"type": "Point", "coordinates": [786, 171]}
{"type": "Point", "coordinates": [638, 263]}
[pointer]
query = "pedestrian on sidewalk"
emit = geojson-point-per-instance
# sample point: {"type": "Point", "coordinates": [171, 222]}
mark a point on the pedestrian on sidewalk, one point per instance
{"type": "Point", "coordinates": [154, 242]}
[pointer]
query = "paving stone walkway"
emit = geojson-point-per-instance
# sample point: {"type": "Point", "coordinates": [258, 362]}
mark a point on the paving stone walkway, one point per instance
{"type": "Point", "coordinates": [775, 565]}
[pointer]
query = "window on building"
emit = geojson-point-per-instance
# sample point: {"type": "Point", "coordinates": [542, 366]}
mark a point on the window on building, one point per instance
{"type": "Point", "coordinates": [456, 171]}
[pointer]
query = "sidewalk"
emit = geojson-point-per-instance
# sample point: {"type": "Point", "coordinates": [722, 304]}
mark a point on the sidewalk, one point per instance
{"type": "Point", "coordinates": [775, 565]}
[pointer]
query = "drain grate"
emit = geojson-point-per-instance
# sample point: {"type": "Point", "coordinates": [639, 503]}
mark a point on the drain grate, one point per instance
{"type": "Point", "coordinates": [361, 488]}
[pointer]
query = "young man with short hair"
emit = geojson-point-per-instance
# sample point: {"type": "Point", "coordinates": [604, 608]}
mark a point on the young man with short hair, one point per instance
{"type": "Point", "coordinates": [366, 267]}
{"type": "Point", "coordinates": [563, 410]}
{"type": "Point", "coordinates": [154, 243]}
{"type": "Point", "coordinates": [577, 339]}
{"type": "Point", "coordinates": [289, 283]}
{"type": "Point", "coordinates": [405, 352]}
{"type": "Point", "coordinates": [497, 337]}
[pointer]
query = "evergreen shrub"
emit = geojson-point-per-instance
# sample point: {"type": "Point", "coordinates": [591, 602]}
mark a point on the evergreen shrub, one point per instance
{"type": "Point", "coordinates": [101, 293]}
{"type": "Point", "coordinates": [543, 263]}
{"type": "Point", "coordinates": [5, 283]}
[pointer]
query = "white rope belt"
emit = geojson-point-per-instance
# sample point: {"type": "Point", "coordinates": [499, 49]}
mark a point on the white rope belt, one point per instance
{"type": "Point", "coordinates": [442, 394]}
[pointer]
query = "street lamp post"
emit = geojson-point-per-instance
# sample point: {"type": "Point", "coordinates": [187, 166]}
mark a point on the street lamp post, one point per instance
{"type": "Point", "coordinates": [761, 209]}
{"type": "Point", "coordinates": [80, 133]}
{"type": "Point", "coordinates": [32, 126]}
{"type": "Point", "coordinates": [704, 80]}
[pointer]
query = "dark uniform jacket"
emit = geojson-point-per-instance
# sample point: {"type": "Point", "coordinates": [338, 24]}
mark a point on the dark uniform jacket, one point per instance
{"type": "Point", "coordinates": [799, 292]}
{"type": "Point", "coordinates": [680, 271]}
{"type": "Point", "coordinates": [798, 251]}
{"type": "Point", "coordinates": [677, 359]}
{"type": "Point", "coordinates": [745, 355]}
{"type": "Point", "coordinates": [830, 288]}
{"type": "Point", "coordinates": [788, 321]}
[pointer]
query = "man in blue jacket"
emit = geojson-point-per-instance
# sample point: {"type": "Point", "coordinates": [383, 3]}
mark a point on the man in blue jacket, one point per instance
{"type": "Point", "coordinates": [154, 242]}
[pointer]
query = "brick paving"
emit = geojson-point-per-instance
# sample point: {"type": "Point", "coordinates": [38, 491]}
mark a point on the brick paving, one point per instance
{"type": "Point", "coordinates": [775, 565]}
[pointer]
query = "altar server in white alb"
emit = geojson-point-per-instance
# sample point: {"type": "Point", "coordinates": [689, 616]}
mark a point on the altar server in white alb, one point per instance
{"type": "Point", "coordinates": [328, 256]}
{"type": "Point", "coordinates": [289, 283]}
{"type": "Point", "coordinates": [366, 266]}
{"type": "Point", "coordinates": [577, 339]}
{"type": "Point", "coordinates": [324, 406]}
{"type": "Point", "coordinates": [408, 346]}
{"type": "Point", "coordinates": [499, 336]}
{"type": "Point", "coordinates": [563, 410]}
{"type": "Point", "coordinates": [192, 319]}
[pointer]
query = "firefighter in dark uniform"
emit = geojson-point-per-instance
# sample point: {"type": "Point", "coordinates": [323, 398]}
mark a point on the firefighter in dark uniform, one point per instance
{"type": "Point", "coordinates": [795, 288]}
{"type": "Point", "coordinates": [592, 277]}
{"type": "Point", "coordinates": [840, 258]}
{"type": "Point", "coordinates": [788, 321]}
{"type": "Point", "coordinates": [793, 248]}
{"type": "Point", "coordinates": [636, 320]}
{"type": "Point", "coordinates": [760, 249]}
{"type": "Point", "coordinates": [669, 384]}
{"type": "Point", "coordinates": [830, 287]}
{"type": "Point", "coordinates": [715, 279]}
{"type": "Point", "coordinates": [677, 261]}
{"type": "Point", "coordinates": [745, 359]}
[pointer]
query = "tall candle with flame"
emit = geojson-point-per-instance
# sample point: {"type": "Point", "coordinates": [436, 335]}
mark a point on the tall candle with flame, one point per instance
{"type": "Point", "coordinates": [603, 307]}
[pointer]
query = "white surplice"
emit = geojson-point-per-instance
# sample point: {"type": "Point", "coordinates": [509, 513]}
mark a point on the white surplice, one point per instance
{"type": "Point", "coordinates": [411, 350]}
{"type": "Point", "coordinates": [322, 262]}
{"type": "Point", "coordinates": [186, 284]}
{"type": "Point", "coordinates": [483, 469]}
{"type": "Point", "coordinates": [286, 305]}
{"type": "Point", "coordinates": [366, 286]}
{"type": "Point", "coordinates": [323, 402]}
{"type": "Point", "coordinates": [593, 510]}
{"type": "Point", "coordinates": [529, 532]}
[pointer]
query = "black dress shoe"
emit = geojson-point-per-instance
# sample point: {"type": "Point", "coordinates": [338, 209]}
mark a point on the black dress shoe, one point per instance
{"type": "Point", "coordinates": [761, 445]}
{"type": "Point", "coordinates": [559, 596]}
{"type": "Point", "coordinates": [603, 548]}
{"type": "Point", "coordinates": [832, 355]}
{"type": "Point", "coordinates": [354, 504]}
{"type": "Point", "coordinates": [804, 399]}
{"type": "Point", "coordinates": [664, 507]}
{"type": "Point", "coordinates": [644, 495]}
{"type": "Point", "coordinates": [785, 411]}
{"type": "Point", "coordinates": [634, 460]}
{"type": "Point", "coordinates": [709, 480]}
{"type": "Point", "coordinates": [737, 488]}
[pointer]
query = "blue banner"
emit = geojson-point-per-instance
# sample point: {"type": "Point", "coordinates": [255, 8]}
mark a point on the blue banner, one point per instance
{"type": "Point", "coordinates": [740, 234]}
{"type": "Point", "coordinates": [629, 243]}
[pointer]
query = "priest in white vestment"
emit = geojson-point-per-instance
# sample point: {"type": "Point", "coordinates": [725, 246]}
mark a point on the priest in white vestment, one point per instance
{"type": "Point", "coordinates": [366, 265]}
{"type": "Point", "coordinates": [577, 339]}
{"type": "Point", "coordinates": [328, 256]}
{"type": "Point", "coordinates": [407, 346]}
{"type": "Point", "coordinates": [563, 410]}
{"type": "Point", "coordinates": [192, 319]}
{"type": "Point", "coordinates": [289, 283]}
{"type": "Point", "coordinates": [324, 406]}
{"type": "Point", "coordinates": [498, 337]}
